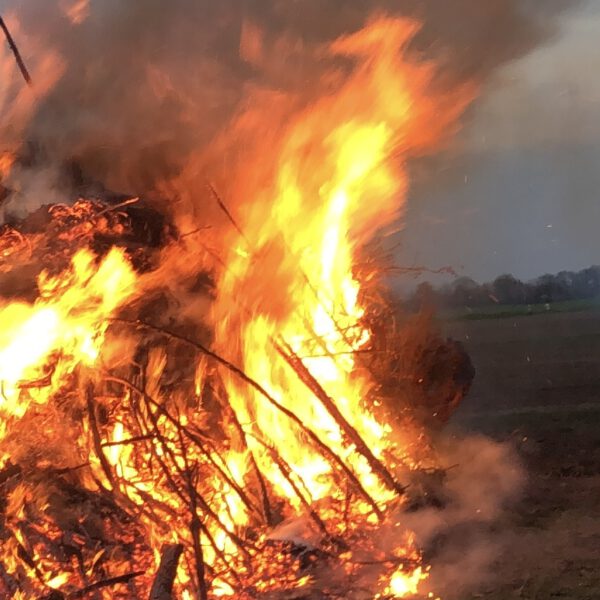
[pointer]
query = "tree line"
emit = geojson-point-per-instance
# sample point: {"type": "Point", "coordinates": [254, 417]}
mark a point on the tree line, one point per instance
{"type": "Point", "coordinates": [508, 290]}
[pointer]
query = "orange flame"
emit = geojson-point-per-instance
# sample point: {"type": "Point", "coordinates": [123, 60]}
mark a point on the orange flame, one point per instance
{"type": "Point", "coordinates": [340, 176]}
{"type": "Point", "coordinates": [65, 327]}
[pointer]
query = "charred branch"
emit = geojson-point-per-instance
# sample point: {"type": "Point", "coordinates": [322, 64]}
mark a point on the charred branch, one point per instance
{"type": "Point", "coordinates": [227, 212]}
{"type": "Point", "coordinates": [16, 52]}
{"type": "Point", "coordinates": [95, 433]}
{"type": "Point", "coordinates": [162, 587]}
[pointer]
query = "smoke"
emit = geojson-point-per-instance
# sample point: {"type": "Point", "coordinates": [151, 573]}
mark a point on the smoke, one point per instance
{"type": "Point", "coordinates": [146, 87]}
{"type": "Point", "coordinates": [464, 536]}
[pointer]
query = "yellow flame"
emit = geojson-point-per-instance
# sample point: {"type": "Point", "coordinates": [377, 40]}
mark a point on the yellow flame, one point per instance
{"type": "Point", "coordinates": [68, 320]}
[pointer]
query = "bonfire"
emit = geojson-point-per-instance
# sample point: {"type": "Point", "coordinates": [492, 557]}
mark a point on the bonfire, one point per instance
{"type": "Point", "coordinates": [248, 442]}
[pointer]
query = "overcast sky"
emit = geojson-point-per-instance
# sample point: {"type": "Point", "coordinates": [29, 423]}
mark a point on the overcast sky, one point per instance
{"type": "Point", "coordinates": [520, 192]}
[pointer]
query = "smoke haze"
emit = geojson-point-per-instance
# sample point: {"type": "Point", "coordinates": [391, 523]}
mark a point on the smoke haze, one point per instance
{"type": "Point", "coordinates": [142, 88]}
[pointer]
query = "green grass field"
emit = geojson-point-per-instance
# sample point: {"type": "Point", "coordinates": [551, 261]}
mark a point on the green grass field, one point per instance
{"type": "Point", "coordinates": [501, 311]}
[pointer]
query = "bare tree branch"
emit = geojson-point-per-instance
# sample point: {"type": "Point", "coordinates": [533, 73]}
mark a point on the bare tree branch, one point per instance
{"type": "Point", "coordinates": [15, 51]}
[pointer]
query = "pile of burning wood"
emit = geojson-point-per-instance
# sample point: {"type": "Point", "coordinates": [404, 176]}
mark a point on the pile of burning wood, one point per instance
{"type": "Point", "coordinates": [225, 412]}
{"type": "Point", "coordinates": [123, 446]}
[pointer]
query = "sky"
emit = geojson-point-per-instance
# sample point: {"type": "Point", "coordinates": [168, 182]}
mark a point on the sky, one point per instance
{"type": "Point", "coordinates": [519, 190]}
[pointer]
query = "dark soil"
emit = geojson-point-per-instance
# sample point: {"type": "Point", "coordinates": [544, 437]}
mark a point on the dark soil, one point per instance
{"type": "Point", "coordinates": [538, 388]}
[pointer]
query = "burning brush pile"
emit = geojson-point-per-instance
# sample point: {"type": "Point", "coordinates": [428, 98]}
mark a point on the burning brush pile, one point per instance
{"type": "Point", "coordinates": [197, 410]}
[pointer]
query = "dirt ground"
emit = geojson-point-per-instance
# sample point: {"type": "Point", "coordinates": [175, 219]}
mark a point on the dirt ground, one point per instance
{"type": "Point", "coordinates": [538, 388]}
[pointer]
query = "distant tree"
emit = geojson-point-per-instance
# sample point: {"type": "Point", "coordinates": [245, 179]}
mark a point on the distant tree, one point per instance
{"type": "Point", "coordinates": [507, 289]}
{"type": "Point", "coordinates": [586, 283]}
{"type": "Point", "coordinates": [551, 288]}
{"type": "Point", "coordinates": [464, 291]}
{"type": "Point", "coordinates": [424, 297]}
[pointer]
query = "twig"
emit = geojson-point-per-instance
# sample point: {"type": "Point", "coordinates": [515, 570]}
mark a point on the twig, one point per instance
{"type": "Point", "coordinates": [117, 206]}
{"type": "Point", "coordinates": [162, 586]}
{"type": "Point", "coordinates": [96, 439]}
{"type": "Point", "coordinates": [227, 213]}
{"type": "Point", "coordinates": [131, 440]}
{"type": "Point", "coordinates": [82, 593]}
{"type": "Point", "coordinates": [16, 52]}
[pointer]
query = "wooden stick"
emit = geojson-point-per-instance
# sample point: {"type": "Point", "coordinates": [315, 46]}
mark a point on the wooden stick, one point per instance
{"type": "Point", "coordinates": [228, 214]}
{"type": "Point", "coordinates": [104, 583]}
{"type": "Point", "coordinates": [195, 523]}
{"type": "Point", "coordinates": [96, 439]}
{"type": "Point", "coordinates": [312, 384]}
{"type": "Point", "coordinates": [162, 586]}
{"type": "Point", "coordinates": [15, 51]}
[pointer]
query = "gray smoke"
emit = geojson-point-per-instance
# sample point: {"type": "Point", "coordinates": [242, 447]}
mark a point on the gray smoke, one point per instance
{"type": "Point", "coordinates": [147, 85]}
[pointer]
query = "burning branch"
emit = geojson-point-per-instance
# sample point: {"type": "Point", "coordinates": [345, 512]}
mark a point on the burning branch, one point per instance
{"type": "Point", "coordinates": [96, 439]}
{"type": "Point", "coordinates": [16, 52]}
{"type": "Point", "coordinates": [307, 378]}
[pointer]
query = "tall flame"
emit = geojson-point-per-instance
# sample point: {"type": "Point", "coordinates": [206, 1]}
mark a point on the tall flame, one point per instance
{"type": "Point", "coordinates": [340, 176]}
